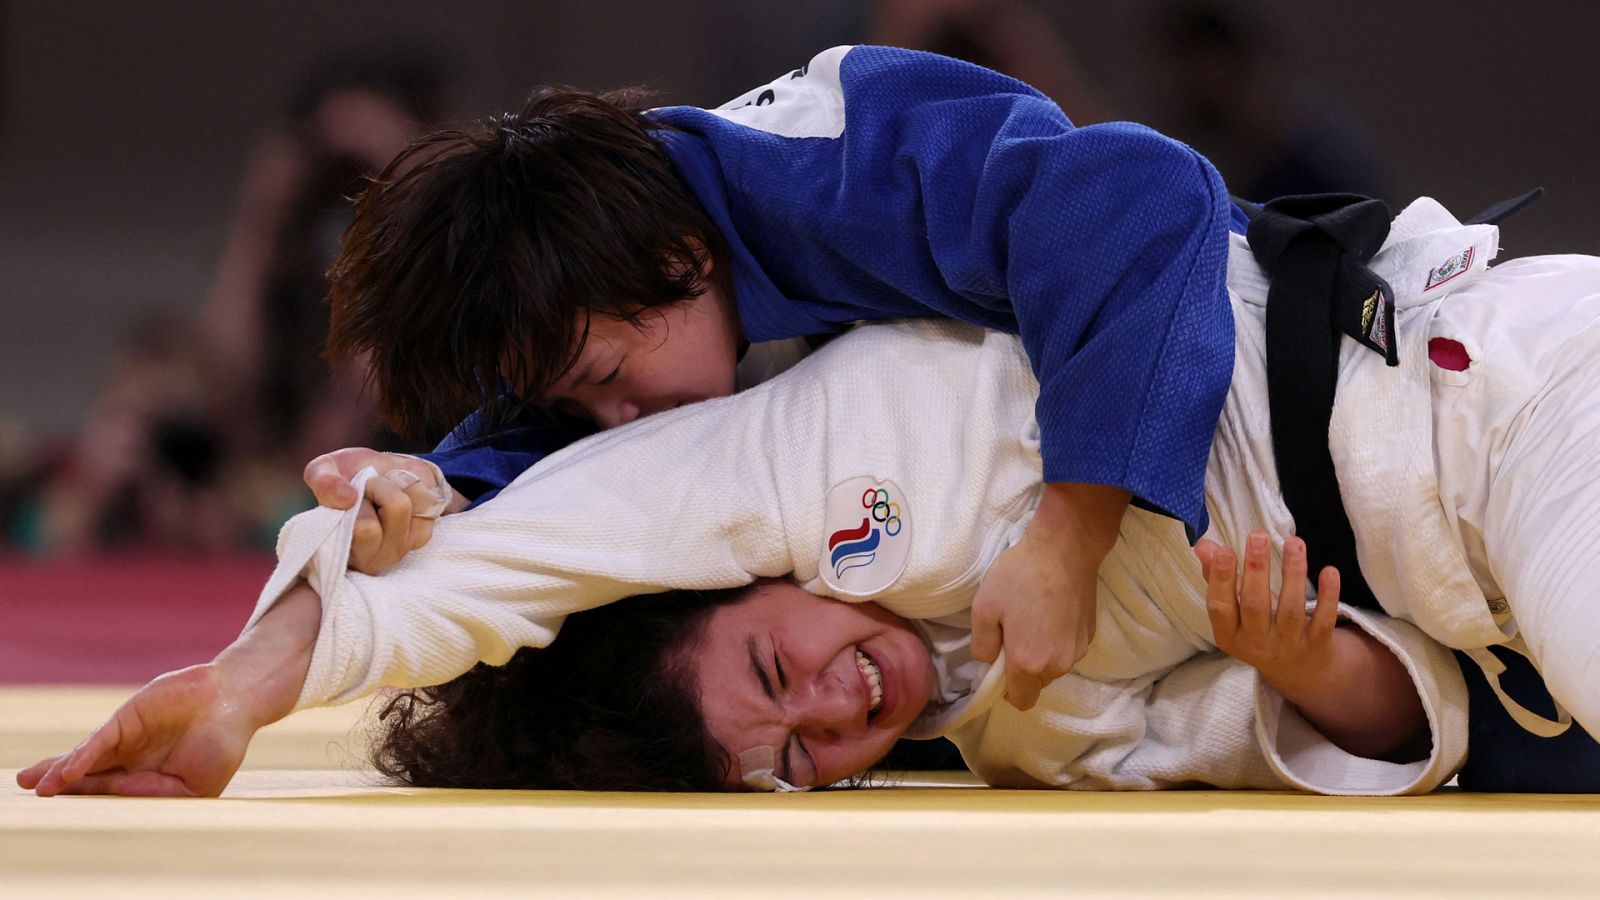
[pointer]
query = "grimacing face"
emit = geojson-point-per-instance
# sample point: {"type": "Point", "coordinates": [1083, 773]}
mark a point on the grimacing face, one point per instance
{"type": "Point", "coordinates": [830, 686]}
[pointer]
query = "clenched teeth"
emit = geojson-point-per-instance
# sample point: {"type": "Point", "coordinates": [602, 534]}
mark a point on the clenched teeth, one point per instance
{"type": "Point", "coordinates": [869, 671]}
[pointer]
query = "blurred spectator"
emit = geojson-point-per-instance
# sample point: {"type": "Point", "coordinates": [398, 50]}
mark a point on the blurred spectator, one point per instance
{"type": "Point", "coordinates": [146, 468]}
{"type": "Point", "coordinates": [1231, 94]}
{"type": "Point", "coordinates": [1008, 36]}
{"type": "Point", "coordinates": [20, 469]}
{"type": "Point", "coordinates": [198, 436]}
{"type": "Point", "coordinates": [266, 311]}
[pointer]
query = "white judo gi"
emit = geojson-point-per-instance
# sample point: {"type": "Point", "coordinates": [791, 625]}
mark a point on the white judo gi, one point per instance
{"type": "Point", "coordinates": [939, 417]}
{"type": "Point", "coordinates": [1474, 494]}
{"type": "Point", "coordinates": [1517, 452]}
{"type": "Point", "coordinates": [737, 488]}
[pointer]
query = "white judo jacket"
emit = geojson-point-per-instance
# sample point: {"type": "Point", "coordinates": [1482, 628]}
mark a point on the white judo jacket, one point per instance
{"type": "Point", "coordinates": [894, 464]}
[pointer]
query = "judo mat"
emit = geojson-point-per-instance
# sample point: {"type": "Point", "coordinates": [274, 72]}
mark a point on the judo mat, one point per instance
{"type": "Point", "coordinates": [305, 818]}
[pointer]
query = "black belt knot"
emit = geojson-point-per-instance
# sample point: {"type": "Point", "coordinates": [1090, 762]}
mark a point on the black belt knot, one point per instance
{"type": "Point", "coordinates": [1314, 250]}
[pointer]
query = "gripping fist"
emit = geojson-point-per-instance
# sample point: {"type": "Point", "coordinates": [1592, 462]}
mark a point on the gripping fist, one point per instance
{"type": "Point", "coordinates": [399, 508]}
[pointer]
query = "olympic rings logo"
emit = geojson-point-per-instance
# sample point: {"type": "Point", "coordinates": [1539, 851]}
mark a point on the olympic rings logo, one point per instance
{"type": "Point", "coordinates": [883, 512]}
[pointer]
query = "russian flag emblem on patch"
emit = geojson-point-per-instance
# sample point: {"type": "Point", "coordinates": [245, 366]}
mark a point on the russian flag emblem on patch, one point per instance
{"type": "Point", "coordinates": [866, 536]}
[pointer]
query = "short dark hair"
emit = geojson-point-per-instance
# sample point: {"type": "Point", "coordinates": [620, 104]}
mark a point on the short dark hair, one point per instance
{"type": "Point", "coordinates": [610, 705]}
{"type": "Point", "coordinates": [479, 253]}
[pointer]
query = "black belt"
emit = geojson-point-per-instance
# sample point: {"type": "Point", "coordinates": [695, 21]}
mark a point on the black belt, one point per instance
{"type": "Point", "coordinates": [1314, 250]}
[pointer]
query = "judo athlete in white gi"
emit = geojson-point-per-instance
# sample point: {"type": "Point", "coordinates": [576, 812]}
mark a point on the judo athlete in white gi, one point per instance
{"type": "Point", "coordinates": [1437, 545]}
{"type": "Point", "coordinates": [758, 485]}
{"type": "Point", "coordinates": [1147, 707]}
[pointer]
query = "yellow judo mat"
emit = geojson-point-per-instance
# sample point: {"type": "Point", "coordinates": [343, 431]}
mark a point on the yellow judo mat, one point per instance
{"type": "Point", "coordinates": [305, 818]}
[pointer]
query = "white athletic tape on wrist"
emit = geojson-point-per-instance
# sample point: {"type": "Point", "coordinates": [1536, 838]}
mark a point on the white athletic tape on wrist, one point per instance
{"type": "Point", "coordinates": [404, 479]}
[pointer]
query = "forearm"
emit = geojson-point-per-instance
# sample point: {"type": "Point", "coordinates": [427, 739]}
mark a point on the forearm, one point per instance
{"type": "Point", "coordinates": [265, 667]}
{"type": "Point", "coordinates": [1081, 519]}
{"type": "Point", "coordinates": [1364, 702]}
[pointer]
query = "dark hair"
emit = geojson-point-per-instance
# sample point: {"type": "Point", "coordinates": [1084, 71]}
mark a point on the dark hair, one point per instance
{"type": "Point", "coordinates": [610, 705]}
{"type": "Point", "coordinates": [480, 253]}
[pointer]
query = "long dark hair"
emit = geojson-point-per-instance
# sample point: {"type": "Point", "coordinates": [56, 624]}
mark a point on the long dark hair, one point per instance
{"type": "Point", "coordinates": [610, 705]}
{"type": "Point", "coordinates": [479, 253]}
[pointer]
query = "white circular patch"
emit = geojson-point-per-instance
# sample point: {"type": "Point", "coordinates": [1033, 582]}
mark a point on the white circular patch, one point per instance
{"type": "Point", "coordinates": [866, 536]}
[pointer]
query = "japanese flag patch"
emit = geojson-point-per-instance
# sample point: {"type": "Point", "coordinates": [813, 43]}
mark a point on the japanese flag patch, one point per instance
{"type": "Point", "coordinates": [866, 536]}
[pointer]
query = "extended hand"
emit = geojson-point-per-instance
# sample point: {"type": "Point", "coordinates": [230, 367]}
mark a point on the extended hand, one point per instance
{"type": "Point", "coordinates": [179, 736]}
{"type": "Point", "coordinates": [185, 733]}
{"type": "Point", "coordinates": [399, 508]}
{"type": "Point", "coordinates": [1278, 640]}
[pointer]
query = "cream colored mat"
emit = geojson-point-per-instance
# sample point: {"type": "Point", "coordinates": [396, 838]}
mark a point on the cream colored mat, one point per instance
{"type": "Point", "coordinates": [291, 825]}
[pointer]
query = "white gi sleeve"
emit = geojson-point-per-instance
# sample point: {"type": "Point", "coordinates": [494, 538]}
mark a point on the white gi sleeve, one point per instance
{"type": "Point", "coordinates": [1209, 721]}
{"type": "Point", "coordinates": [1190, 728]}
{"type": "Point", "coordinates": [1307, 760]}
{"type": "Point", "coordinates": [666, 512]}
{"type": "Point", "coordinates": [712, 495]}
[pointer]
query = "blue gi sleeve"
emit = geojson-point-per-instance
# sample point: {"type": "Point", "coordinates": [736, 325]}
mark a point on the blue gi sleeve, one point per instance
{"type": "Point", "coordinates": [951, 190]}
{"type": "Point", "coordinates": [479, 464]}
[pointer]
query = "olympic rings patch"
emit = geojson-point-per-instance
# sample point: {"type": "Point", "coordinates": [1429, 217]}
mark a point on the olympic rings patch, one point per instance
{"type": "Point", "coordinates": [866, 538]}
{"type": "Point", "coordinates": [884, 511]}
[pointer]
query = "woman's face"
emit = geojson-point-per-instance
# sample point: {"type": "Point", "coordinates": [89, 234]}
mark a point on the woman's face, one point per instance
{"type": "Point", "coordinates": [683, 352]}
{"type": "Point", "coordinates": [829, 686]}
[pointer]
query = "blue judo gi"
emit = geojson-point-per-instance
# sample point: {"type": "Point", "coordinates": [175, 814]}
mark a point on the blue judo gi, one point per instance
{"type": "Point", "coordinates": [877, 183]}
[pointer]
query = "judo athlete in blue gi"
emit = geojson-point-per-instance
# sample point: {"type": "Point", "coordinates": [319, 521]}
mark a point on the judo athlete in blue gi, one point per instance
{"type": "Point", "coordinates": [869, 184]}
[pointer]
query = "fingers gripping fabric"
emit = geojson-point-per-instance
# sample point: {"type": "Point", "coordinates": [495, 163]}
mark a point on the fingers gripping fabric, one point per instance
{"type": "Point", "coordinates": [310, 546]}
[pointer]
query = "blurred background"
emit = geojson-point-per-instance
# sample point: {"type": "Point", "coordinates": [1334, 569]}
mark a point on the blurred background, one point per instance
{"type": "Point", "coordinates": [173, 175]}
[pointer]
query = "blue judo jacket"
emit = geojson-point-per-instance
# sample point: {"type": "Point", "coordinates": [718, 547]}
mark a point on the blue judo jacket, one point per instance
{"type": "Point", "coordinates": [876, 183]}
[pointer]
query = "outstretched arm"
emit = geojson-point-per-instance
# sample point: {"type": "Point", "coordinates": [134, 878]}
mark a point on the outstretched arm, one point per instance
{"type": "Point", "coordinates": [185, 733]}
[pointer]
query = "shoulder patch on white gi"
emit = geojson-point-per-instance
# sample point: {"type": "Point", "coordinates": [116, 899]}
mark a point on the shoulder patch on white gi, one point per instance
{"type": "Point", "coordinates": [866, 536]}
{"type": "Point", "coordinates": [1374, 318]}
{"type": "Point", "coordinates": [1449, 269]}
{"type": "Point", "coordinates": [808, 102]}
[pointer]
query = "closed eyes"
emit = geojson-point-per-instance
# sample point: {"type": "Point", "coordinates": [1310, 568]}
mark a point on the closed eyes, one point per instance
{"type": "Point", "coordinates": [794, 741]}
